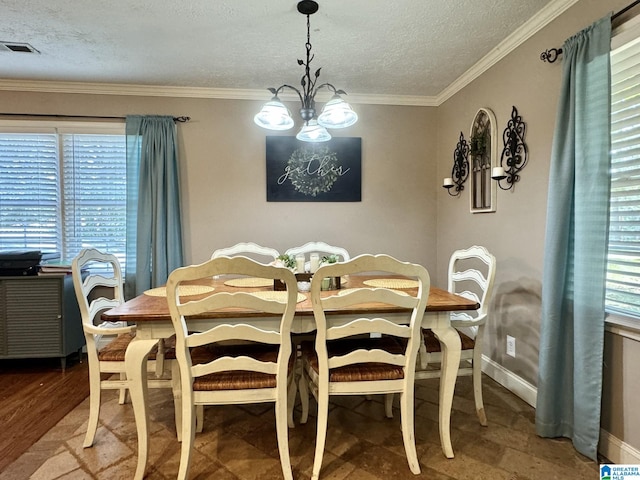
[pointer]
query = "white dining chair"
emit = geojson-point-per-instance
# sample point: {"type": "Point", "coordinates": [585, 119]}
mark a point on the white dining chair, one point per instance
{"type": "Point", "coordinates": [248, 249]}
{"type": "Point", "coordinates": [347, 360]}
{"type": "Point", "coordinates": [97, 292]}
{"type": "Point", "coordinates": [471, 275]}
{"type": "Point", "coordinates": [322, 249]}
{"type": "Point", "coordinates": [213, 369]}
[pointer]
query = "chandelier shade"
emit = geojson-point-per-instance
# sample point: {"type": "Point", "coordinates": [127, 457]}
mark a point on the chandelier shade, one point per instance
{"type": "Point", "coordinates": [336, 113]}
{"type": "Point", "coordinates": [274, 116]}
{"type": "Point", "coordinates": [312, 132]}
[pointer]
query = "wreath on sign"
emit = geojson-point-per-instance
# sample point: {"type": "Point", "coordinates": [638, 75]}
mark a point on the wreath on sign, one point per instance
{"type": "Point", "coordinates": [313, 171]}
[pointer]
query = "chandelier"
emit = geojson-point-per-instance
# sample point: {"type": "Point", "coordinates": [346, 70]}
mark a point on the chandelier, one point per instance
{"type": "Point", "coordinates": [336, 112]}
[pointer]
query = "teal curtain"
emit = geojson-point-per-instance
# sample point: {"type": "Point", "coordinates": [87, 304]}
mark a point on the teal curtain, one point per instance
{"type": "Point", "coordinates": [573, 282]}
{"type": "Point", "coordinates": [154, 226]}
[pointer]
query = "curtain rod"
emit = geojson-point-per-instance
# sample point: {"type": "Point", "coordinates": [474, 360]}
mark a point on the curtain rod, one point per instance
{"type": "Point", "coordinates": [181, 119]}
{"type": "Point", "coordinates": [551, 55]}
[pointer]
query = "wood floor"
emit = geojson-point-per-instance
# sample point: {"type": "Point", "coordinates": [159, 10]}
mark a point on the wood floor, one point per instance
{"type": "Point", "coordinates": [239, 442]}
{"type": "Point", "coordinates": [34, 396]}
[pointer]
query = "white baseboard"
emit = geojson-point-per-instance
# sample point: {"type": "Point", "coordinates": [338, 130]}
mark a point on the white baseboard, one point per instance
{"type": "Point", "coordinates": [611, 447]}
{"type": "Point", "coordinates": [510, 381]}
{"type": "Point", "coordinates": [617, 451]}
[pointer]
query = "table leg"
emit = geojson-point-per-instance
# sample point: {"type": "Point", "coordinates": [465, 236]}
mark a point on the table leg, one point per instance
{"type": "Point", "coordinates": [136, 367]}
{"type": "Point", "coordinates": [451, 348]}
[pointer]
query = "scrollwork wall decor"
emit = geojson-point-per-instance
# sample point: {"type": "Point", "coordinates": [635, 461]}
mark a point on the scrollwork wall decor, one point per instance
{"type": "Point", "coordinates": [460, 170]}
{"type": "Point", "coordinates": [515, 153]}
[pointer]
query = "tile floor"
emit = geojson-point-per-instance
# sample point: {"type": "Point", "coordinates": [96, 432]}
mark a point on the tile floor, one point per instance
{"type": "Point", "coordinates": [239, 443]}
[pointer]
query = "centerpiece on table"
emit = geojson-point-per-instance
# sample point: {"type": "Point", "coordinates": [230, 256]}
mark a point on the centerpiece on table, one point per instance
{"type": "Point", "coordinates": [294, 264]}
{"type": "Point", "coordinates": [290, 262]}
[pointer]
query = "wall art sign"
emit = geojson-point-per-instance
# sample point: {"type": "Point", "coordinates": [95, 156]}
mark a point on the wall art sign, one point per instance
{"type": "Point", "coordinates": [314, 172]}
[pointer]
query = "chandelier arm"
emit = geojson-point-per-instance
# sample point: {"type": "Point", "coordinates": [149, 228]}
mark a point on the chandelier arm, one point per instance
{"type": "Point", "coordinates": [281, 87]}
{"type": "Point", "coordinates": [329, 87]}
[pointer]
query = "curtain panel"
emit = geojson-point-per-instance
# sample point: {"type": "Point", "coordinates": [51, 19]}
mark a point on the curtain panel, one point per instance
{"type": "Point", "coordinates": [154, 225]}
{"type": "Point", "coordinates": [573, 284]}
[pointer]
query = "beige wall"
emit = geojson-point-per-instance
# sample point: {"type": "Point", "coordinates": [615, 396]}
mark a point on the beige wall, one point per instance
{"type": "Point", "coordinates": [406, 151]}
{"type": "Point", "coordinates": [515, 232]}
{"type": "Point", "coordinates": [223, 176]}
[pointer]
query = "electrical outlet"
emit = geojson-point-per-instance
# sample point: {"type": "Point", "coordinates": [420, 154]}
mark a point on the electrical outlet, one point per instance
{"type": "Point", "coordinates": [511, 346]}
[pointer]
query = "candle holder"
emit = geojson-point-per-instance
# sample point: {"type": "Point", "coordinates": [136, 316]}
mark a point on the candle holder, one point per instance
{"type": "Point", "coordinates": [515, 153]}
{"type": "Point", "coordinates": [460, 170]}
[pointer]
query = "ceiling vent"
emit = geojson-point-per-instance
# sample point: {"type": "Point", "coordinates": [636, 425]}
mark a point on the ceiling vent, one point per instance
{"type": "Point", "coordinates": [17, 47]}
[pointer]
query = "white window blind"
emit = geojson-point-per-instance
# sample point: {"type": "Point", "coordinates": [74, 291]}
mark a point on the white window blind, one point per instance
{"type": "Point", "coordinates": [29, 192]}
{"type": "Point", "coordinates": [94, 193]}
{"type": "Point", "coordinates": [63, 191]}
{"type": "Point", "coordinates": [623, 268]}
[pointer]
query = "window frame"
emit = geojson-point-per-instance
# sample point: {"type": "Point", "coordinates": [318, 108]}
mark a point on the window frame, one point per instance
{"type": "Point", "coordinates": [617, 322]}
{"type": "Point", "coordinates": [61, 128]}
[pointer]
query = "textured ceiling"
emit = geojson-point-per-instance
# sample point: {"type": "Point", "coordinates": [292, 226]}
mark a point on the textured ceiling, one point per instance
{"type": "Point", "coordinates": [369, 47]}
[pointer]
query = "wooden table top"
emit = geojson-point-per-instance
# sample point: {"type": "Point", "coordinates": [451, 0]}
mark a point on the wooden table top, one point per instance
{"type": "Point", "coordinates": [154, 308]}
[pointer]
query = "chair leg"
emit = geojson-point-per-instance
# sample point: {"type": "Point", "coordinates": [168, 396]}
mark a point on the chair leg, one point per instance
{"type": "Point", "coordinates": [321, 435]}
{"type": "Point", "coordinates": [94, 407]}
{"type": "Point", "coordinates": [408, 433]}
{"type": "Point", "coordinates": [303, 387]}
{"type": "Point", "coordinates": [188, 432]}
{"type": "Point", "coordinates": [160, 359]}
{"type": "Point", "coordinates": [388, 405]}
{"type": "Point", "coordinates": [292, 391]}
{"type": "Point", "coordinates": [199, 418]}
{"type": "Point", "coordinates": [282, 430]}
{"type": "Point", "coordinates": [422, 354]}
{"type": "Point", "coordinates": [177, 398]}
{"type": "Point", "coordinates": [477, 386]}
{"type": "Point", "coordinates": [122, 399]}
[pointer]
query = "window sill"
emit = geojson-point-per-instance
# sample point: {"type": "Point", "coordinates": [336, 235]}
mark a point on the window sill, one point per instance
{"type": "Point", "coordinates": [624, 326]}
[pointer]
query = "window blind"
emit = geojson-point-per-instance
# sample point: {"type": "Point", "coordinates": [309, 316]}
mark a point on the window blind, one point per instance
{"type": "Point", "coordinates": [29, 193]}
{"type": "Point", "coordinates": [623, 268]}
{"type": "Point", "coordinates": [94, 193]}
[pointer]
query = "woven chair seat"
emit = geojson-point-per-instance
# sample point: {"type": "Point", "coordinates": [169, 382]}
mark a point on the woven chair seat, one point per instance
{"type": "Point", "coordinates": [235, 379]}
{"type": "Point", "coordinates": [362, 371]}
{"type": "Point", "coordinates": [433, 344]}
{"type": "Point", "coordinates": [116, 349]}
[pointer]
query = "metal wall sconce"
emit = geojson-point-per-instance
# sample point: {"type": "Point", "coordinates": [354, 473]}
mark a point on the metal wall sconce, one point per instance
{"type": "Point", "coordinates": [460, 170]}
{"type": "Point", "coordinates": [515, 153]}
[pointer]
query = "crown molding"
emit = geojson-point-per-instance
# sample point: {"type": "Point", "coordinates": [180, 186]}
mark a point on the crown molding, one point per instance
{"type": "Point", "coordinates": [192, 92]}
{"type": "Point", "coordinates": [549, 13]}
{"type": "Point", "coordinates": [536, 23]}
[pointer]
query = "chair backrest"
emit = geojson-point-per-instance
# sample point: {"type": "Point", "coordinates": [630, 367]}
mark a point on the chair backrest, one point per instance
{"type": "Point", "coordinates": [282, 307]}
{"type": "Point", "coordinates": [320, 247]}
{"type": "Point", "coordinates": [471, 275]}
{"type": "Point", "coordinates": [405, 325]}
{"type": "Point", "coordinates": [247, 249]}
{"type": "Point", "coordinates": [85, 283]}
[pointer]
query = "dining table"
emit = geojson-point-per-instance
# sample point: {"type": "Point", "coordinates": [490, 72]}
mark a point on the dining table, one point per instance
{"type": "Point", "coordinates": [150, 313]}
